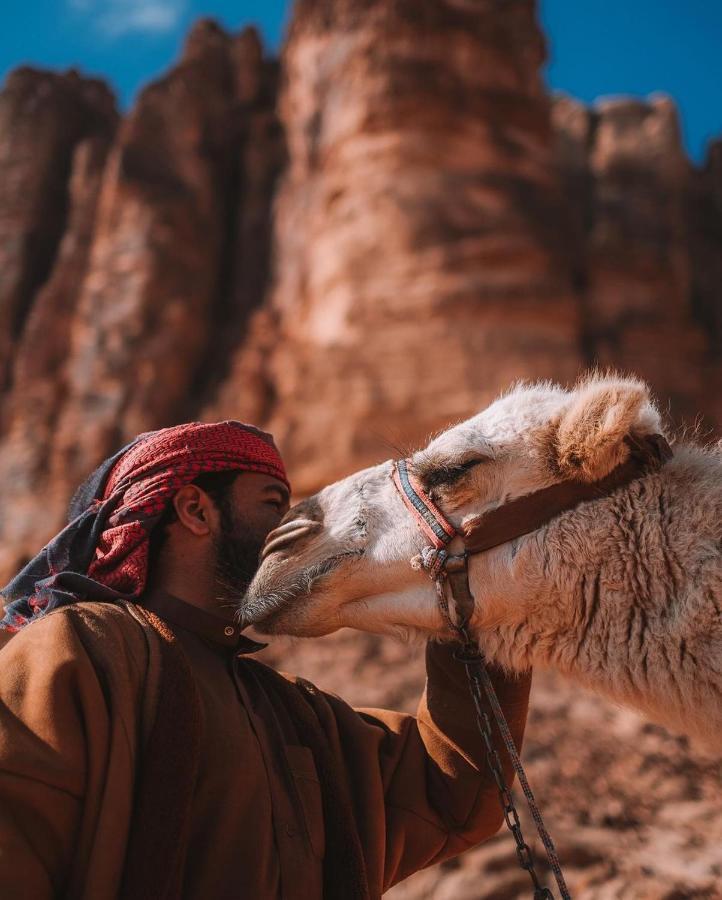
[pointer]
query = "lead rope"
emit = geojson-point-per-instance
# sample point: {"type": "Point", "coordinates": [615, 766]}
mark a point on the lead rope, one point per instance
{"type": "Point", "coordinates": [471, 657]}
{"type": "Point", "coordinates": [433, 561]}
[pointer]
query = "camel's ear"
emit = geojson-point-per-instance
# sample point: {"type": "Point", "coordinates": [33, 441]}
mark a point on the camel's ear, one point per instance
{"type": "Point", "coordinates": [589, 440]}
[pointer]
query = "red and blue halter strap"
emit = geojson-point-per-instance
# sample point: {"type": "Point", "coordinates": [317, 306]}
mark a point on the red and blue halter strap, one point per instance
{"type": "Point", "coordinates": [429, 518]}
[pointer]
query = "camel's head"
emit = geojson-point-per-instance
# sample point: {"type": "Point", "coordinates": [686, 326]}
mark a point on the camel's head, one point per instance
{"type": "Point", "coordinates": [342, 558]}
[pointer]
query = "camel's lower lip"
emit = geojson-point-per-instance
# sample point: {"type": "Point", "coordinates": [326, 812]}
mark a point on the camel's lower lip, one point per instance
{"type": "Point", "coordinates": [265, 602]}
{"type": "Point", "coordinates": [264, 622]}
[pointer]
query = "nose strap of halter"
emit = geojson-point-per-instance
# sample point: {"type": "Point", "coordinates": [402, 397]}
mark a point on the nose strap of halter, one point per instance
{"type": "Point", "coordinates": [428, 517]}
{"type": "Point", "coordinates": [434, 557]}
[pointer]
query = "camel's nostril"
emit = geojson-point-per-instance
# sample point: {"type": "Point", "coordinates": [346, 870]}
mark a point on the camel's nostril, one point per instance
{"type": "Point", "coordinates": [287, 533]}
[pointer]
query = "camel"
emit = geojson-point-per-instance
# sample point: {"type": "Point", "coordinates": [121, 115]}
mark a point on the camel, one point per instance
{"type": "Point", "coordinates": [622, 593]}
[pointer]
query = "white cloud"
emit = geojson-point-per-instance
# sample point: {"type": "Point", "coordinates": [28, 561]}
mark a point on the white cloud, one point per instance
{"type": "Point", "coordinates": [118, 18]}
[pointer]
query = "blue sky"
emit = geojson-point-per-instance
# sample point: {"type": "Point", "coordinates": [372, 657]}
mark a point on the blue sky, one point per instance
{"type": "Point", "coordinates": [597, 47]}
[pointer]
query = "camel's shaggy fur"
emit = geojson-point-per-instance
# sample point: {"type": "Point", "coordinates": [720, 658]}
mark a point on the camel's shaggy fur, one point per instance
{"type": "Point", "coordinates": [622, 593]}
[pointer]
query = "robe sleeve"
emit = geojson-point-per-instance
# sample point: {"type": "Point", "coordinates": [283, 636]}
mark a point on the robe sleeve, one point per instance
{"type": "Point", "coordinates": [428, 772]}
{"type": "Point", "coordinates": [52, 709]}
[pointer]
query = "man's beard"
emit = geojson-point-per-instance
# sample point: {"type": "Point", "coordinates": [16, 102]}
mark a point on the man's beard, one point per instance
{"type": "Point", "coordinates": [238, 552]}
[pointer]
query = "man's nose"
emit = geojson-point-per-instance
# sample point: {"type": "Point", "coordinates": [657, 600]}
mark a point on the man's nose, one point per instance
{"type": "Point", "coordinates": [301, 520]}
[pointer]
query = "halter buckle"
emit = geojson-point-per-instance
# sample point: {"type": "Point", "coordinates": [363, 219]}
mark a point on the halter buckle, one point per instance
{"type": "Point", "coordinates": [456, 563]}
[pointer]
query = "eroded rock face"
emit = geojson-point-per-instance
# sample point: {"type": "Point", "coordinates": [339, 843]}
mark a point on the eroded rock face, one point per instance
{"type": "Point", "coordinates": [149, 305]}
{"type": "Point", "coordinates": [33, 406]}
{"type": "Point", "coordinates": [44, 116]}
{"type": "Point", "coordinates": [420, 227]}
{"type": "Point", "coordinates": [639, 242]}
{"type": "Point", "coordinates": [440, 233]}
{"type": "Point", "coordinates": [440, 228]}
{"type": "Point", "coordinates": [136, 300]}
{"type": "Point", "coordinates": [705, 255]}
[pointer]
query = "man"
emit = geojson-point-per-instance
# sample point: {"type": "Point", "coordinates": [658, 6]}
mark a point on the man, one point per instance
{"type": "Point", "coordinates": [143, 754]}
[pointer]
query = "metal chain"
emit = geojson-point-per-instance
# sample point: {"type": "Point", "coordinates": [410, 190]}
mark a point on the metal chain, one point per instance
{"type": "Point", "coordinates": [471, 657]}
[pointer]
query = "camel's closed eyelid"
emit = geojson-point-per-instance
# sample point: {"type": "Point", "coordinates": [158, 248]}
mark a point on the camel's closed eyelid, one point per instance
{"type": "Point", "coordinates": [445, 474]}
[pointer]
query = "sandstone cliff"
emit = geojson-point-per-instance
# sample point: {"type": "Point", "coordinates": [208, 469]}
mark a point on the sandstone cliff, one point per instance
{"type": "Point", "coordinates": [165, 253]}
{"type": "Point", "coordinates": [54, 132]}
{"type": "Point", "coordinates": [644, 240]}
{"type": "Point", "coordinates": [441, 228]}
{"type": "Point", "coordinates": [420, 231]}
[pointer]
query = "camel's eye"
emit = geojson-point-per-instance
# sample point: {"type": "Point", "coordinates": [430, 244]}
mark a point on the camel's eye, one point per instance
{"type": "Point", "coordinates": [449, 474]}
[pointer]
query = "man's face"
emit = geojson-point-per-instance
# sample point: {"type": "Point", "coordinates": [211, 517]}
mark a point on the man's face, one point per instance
{"type": "Point", "coordinates": [254, 506]}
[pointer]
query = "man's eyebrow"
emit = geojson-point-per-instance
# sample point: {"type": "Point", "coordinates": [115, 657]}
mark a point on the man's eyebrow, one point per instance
{"type": "Point", "coordinates": [279, 489]}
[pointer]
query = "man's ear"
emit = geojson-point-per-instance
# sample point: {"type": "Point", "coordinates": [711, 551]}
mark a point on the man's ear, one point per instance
{"type": "Point", "coordinates": [195, 510]}
{"type": "Point", "coordinates": [591, 431]}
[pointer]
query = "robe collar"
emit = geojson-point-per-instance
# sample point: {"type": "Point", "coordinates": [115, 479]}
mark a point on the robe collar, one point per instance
{"type": "Point", "coordinates": [217, 630]}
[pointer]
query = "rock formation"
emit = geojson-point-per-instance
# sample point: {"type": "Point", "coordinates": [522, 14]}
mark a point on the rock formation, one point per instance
{"type": "Point", "coordinates": [632, 194]}
{"type": "Point", "coordinates": [441, 228]}
{"type": "Point", "coordinates": [48, 123]}
{"type": "Point", "coordinates": [149, 289]}
{"type": "Point", "coordinates": [420, 232]}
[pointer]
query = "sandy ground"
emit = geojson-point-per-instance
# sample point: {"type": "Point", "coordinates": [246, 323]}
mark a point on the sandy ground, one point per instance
{"type": "Point", "coordinates": [636, 813]}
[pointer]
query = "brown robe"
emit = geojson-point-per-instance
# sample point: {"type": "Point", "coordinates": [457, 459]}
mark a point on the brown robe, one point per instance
{"type": "Point", "coordinates": [78, 702]}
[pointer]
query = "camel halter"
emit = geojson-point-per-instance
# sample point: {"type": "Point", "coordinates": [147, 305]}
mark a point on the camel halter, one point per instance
{"type": "Point", "coordinates": [499, 526]}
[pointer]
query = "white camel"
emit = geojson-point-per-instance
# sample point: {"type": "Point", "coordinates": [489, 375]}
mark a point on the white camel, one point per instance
{"type": "Point", "coordinates": [622, 593]}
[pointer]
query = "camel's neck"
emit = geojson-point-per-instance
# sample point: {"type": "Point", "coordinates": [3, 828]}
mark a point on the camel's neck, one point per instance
{"type": "Point", "coordinates": [601, 594]}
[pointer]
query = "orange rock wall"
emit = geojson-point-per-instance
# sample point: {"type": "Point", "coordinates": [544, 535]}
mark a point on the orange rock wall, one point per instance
{"type": "Point", "coordinates": [420, 232]}
{"type": "Point", "coordinates": [351, 246]}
